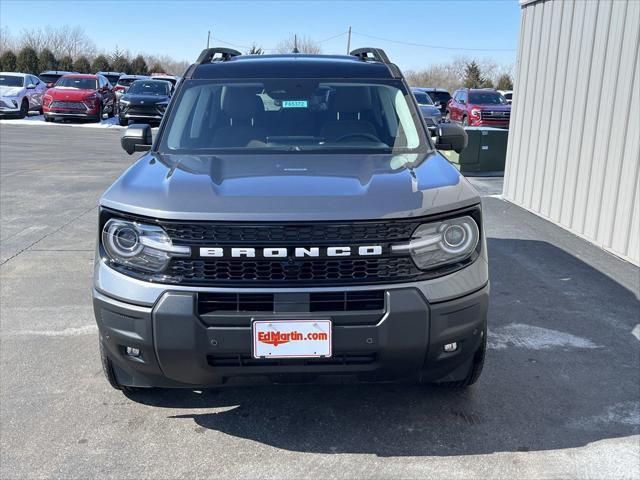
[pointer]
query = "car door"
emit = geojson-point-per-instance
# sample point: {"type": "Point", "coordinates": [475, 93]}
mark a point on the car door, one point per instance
{"type": "Point", "coordinates": [38, 92]}
{"type": "Point", "coordinates": [462, 105]}
{"type": "Point", "coordinates": [453, 106]}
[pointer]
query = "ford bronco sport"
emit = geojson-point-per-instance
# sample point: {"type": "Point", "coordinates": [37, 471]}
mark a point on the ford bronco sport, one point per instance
{"type": "Point", "coordinates": [292, 220]}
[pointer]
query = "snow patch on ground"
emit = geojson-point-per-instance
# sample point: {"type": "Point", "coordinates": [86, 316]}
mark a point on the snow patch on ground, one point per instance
{"type": "Point", "coordinates": [624, 413]}
{"type": "Point", "coordinates": [67, 332]}
{"type": "Point", "coordinates": [519, 335]}
{"type": "Point", "coordinates": [636, 331]}
{"type": "Point", "coordinates": [39, 120]}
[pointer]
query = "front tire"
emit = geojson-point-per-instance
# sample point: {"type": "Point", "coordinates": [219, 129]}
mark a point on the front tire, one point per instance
{"type": "Point", "coordinates": [465, 121]}
{"type": "Point", "coordinates": [24, 108]}
{"type": "Point", "coordinates": [100, 113]}
{"type": "Point", "coordinates": [123, 122]}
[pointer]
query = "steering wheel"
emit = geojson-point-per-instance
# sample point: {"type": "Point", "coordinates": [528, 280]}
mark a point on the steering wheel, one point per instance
{"type": "Point", "coordinates": [366, 136]}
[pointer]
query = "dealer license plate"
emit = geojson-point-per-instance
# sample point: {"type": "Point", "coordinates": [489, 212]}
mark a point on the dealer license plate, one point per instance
{"type": "Point", "coordinates": [291, 338]}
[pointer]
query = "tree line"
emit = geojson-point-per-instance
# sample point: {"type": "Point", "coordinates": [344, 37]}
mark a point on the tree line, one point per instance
{"type": "Point", "coordinates": [70, 49]}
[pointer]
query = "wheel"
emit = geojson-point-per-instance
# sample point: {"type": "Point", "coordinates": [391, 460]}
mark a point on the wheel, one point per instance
{"type": "Point", "coordinates": [24, 108]}
{"type": "Point", "coordinates": [107, 368]}
{"type": "Point", "coordinates": [112, 111]}
{"type": "Point", "coordinates": [474, 371]}
{"type": "Point", "coordinates": [100, 112]}
{"type": "Point", "coordinates": [465, 122]}
{"type": "Point", "coordinates": [48, 119]}
{"type": "Point", "coordinates": [123, 122]}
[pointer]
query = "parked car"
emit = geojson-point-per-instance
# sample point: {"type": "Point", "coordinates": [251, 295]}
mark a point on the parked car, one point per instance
{"type": "Point", "coordinates": [112, 76]}
{"type": "Point", "coordinates": [50, 77]}
{"type": "Point", "coordinates": [79, 96]}
{"type": "Point", "coordinates": [508, 94]}
{"type": "Point", "coordinates": [327, 236]}
{"type": "Point", "coordinates": [440, 97]}
{"type": "Point", "coordinates": [479, 107]}
{"type": "Point", "coordinates": [124, 82]}
{"type": "Point", "coordinates": [145, 101]}
{"type": "Point", "coordinates": [169, 78]}
{"type": "Point", "coordinates": [20, 93]}
{"type": "Point", "coordinates": [430, 112]}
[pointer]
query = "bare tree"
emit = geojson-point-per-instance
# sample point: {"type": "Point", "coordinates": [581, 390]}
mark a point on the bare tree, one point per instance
{"type": "Point", "coordinates": [6, 40]}
{"type": "Point", "coordinates": [302, 44]}
{"type": "Point", "coordinates": [62, 41]}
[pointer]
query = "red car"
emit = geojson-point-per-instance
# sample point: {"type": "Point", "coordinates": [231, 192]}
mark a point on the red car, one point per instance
{"type": "Point", "coordinates": [79, 96]}
{"type": "Point", "coordinates": [479, 107]}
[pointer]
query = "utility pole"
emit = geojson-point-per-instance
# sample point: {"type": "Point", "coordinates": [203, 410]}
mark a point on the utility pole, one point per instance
{"type": "Point", "coordinates": [208, 37]}
{"type": "Point", "coordinates": [349, 41]}
{"type": "Point", "coordinates": [295, 43]}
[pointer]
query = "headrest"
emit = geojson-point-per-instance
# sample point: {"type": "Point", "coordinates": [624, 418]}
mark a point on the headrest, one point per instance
{"type": "Point", "coordinates": [352, 99]}
{"type": "Point", "coordinates": [240, 102]}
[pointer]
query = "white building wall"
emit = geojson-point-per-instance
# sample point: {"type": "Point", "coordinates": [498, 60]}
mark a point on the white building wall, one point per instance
{"type": "Point", "coordinates": [574, 144]}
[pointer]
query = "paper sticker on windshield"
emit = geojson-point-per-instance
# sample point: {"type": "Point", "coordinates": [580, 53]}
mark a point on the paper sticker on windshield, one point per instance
{"type": "Point", "coordinates": [295, 104]}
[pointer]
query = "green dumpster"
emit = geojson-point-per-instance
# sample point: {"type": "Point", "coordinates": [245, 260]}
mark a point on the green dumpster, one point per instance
{"type": "Point", "coordinates": [485, 153]}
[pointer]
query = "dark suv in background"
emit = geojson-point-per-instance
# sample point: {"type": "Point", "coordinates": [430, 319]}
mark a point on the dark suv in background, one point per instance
{"type": "Point", "coordinates": [481, 107]}
{"type": "Point", "coordinates": [440, 97]}
{"type": "Point", "coordinates": [50, 77]}
{"type": "Point", "coordinates": [145, 101]}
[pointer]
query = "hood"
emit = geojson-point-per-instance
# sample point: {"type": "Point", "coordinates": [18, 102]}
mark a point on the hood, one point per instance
{"type": "Point", "coordinates": [289, 187]}
{"type": "Point", "coordinates": [495, 108]}
{"type": "Point", "coordinates": [144, 99]}
{"type": "Point", "coordinates": [10, 91]}
{"type": "Point", "coordinates": [430, 110]}
{"type": "Point", "coordinates": [72, 94]}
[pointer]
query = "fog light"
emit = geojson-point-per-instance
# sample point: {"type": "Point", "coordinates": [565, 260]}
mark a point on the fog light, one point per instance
{"type": "Point", "coordinates": [451, 347]}
{"type": "Point", "coordinates": [132, 352]}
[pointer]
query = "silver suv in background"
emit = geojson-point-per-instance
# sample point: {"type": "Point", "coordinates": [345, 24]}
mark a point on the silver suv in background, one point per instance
{"type": "Point", "coordinates": [20, 93]}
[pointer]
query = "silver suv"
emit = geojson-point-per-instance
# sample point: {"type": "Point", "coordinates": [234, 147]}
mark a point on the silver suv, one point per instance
{"type": "Point", "coordinates": [293, 219]}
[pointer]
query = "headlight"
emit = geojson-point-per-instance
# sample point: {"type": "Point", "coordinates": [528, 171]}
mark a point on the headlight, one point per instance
{"type": "Point", "coordinates": [438, 243]}
{"type": "Point", "coordinates": [144, 247]}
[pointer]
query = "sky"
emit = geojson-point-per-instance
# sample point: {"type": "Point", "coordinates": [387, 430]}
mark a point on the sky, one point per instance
{"type": "Point", "coordinates": [179, 28]}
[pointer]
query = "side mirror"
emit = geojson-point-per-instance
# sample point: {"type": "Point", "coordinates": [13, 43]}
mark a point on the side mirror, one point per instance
{"type": "Point", "coordinates": [136, 138]}
{"type": "Point", "coordinates": [451, 136]}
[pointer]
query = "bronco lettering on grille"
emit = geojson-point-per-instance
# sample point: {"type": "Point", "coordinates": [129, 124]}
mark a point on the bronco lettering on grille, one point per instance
{"type": "Point", "coordinates": [297, 252]}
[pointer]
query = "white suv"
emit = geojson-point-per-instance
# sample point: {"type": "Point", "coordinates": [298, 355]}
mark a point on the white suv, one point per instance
{"type": "Point", "coordinates": [20, 93]}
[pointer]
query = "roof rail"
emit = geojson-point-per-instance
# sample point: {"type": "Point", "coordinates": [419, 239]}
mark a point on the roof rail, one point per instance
{"type": "Point", "coordinates": [367, 54]}
{"type": "Point", "coordinates": [207, 55]}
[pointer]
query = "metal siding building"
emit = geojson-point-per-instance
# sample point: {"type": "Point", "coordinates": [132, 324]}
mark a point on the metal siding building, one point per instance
{"type": "Point", "coordinates": [574, 144]}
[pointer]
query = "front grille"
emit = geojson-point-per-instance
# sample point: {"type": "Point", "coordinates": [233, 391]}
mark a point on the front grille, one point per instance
{"type": "Point", "coordinates": [207, 233]}
{"type": "Point", "coordinates": [495, 115]}
{"type": "Point", "coordinates": [68, 105]}
{"type": "Point", "coordinates": [244, 360]}
{"type": "Point", "coordinates": [256, 272]}
{"type": "Point", "coordinates": [352, 301]}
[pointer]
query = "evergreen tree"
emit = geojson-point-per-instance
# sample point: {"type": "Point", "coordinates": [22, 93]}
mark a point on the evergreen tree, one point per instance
{"type": "Point", "coordinates": [65, 63]}
{"type": "Point", "coordinates": [8, 61]}
{"type": "Point", "coordinates": [27, 61]}
{"type": "Point", "coordinates": [82, 65]}
{"type": "Point", "coordinates": [100, 64]}
{"type": "Point", "coordinates": [473, 76]}
{"type": "Point", "coordinates": [139, 66]}
{"type": "Point", "coordinates": [46, 60]}
{"type": "Point", "coordinates": [504, 82]}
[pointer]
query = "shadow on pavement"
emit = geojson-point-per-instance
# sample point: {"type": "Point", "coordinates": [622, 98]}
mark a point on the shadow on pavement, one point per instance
{"type": "Point", "coordinates": [562, 372]}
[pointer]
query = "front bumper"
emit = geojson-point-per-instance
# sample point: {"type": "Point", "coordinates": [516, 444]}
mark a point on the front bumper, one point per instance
{"type": "Point", "coordinates": [136, 112]}
{"type": "Point", "coordinates": [181, 349]}
{"type": "Point", "coordinates": [9, 105]}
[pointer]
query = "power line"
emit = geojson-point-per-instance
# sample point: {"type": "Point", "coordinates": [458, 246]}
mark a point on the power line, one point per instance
{"type": "Point", "coordinates": [435, 46]}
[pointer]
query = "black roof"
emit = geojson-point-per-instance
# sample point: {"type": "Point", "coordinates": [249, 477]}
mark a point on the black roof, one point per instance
{"type": "Point", "coordinates": [293, 65]}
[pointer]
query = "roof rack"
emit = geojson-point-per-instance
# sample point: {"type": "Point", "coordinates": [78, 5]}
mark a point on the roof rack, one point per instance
{"type": "Point", "coordinates": [208, 55]}
{"type": "Point", "coordinates": [368, 54]}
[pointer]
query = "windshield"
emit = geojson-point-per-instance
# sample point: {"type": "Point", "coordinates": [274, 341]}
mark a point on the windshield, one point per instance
{"type": "Point", "coordinates": [487, 98]}
{"type": "Point", "coordinates": [11, 81]}
{"type": "Point", "coordinates": [422, 98]}
{"type": "Point", "coordinates": [125, 82]}
{"type": "Point", "coordinates": [77, 82]}
{"type": "Point", "coordinates": [292, 115]}
{"type": "Point", "coordinates": [146, 87]}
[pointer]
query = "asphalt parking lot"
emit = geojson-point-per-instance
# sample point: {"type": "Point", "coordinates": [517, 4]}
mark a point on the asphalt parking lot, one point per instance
{"type": "Point", "coordinates": [559, 397]}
